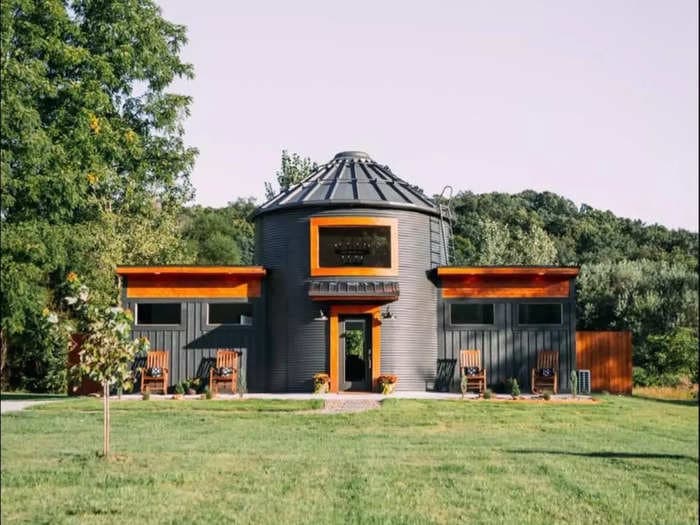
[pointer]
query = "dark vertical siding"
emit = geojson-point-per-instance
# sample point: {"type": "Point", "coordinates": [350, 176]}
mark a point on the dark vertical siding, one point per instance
{"type": "Point", "coordinates": [509, 350]}
{"type": "Point", "coordinates": [298, 346]}
{"type": "Point", "coordinates": [193, 341]}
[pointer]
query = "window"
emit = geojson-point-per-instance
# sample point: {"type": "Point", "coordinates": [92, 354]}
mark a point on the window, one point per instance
{"type": "Point", "coordinates": [474, 313]}
{"type": "Point", "coordinates": [353, 246]}
{"type": "Point", "coordinates": [539, 314]}
{"type": "Point", "coordinates": [158, 313]}
{"type": "Point", "coordinates": [229, 313]}
{"type": "Point", "coordinates": [368, 246]}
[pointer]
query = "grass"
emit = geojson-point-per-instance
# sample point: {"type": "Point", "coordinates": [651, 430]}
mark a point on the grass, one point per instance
{"type": "Point", "coordinates": [668, 393]}
{"type": "Point", "coordinates": [622, 460]}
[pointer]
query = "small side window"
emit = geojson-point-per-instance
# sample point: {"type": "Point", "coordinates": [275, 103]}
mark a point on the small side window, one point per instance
{"type": "Point", "coordinates": [158, 313]}
{"type": "Point", "coordinates": [230, 313]}
{"type": "Point", "coordinates": [471, 313]}
{"type": "Point", "coordinates": [539, 314]}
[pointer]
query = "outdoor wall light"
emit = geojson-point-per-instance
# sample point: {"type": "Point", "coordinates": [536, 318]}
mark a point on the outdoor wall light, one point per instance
{"type": "Point", "coordinates": [387, 315]}
{"type": "Point", "coordinates": [321, 316]}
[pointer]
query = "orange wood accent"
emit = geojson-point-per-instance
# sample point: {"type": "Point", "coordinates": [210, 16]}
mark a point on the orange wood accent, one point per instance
{"type": "Point", "coordinates": [141, 286]}
{"type": "Point", "coordinates": [608, 355]}
{"type": "Point", "coordinates": [155, 358]}
{"type": "Point", "coordinates": [472, 358]}
{"type": "Point", "coordinates": [229, 359]}
{"type": "Point", "coordinates": [191, 270]}
{"type": "Point", "coordinates": [362, 309]}
{"type": "Point", "coordinates": [491, 287]}
{"type": "Point", "coordinates": [506, 270]}
{"type": "Point", "coordinates": [316, 222]}
{"type": "Point", "coordinates": [363, 298]}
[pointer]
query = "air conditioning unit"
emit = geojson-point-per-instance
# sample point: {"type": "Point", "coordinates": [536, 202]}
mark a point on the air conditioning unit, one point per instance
{"type": "Point", "coordinates": [584, 381]}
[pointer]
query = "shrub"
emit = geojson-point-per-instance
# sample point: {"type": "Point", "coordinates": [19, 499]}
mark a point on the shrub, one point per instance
{"type": "Point", "coordinates": [668, 357]}
{"type": "Point", "coordinates": [487, 394]}
{"type": "Point", "coordinates": [546, 395]}
{"type": "Point", "coordinates": [146, 395]}
{"type": "Point", "coordinates": [574, 383]}
{"type": "Point", "coordinates": [179, 389]}
{"type": "Point", "coordinates": [514, 388]}
{"type": "Point", "coordinates": [207, 393]}
{"type": "Point", "coordinates": [463, 385]}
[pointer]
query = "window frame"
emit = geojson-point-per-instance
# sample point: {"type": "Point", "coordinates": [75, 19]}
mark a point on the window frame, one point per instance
{"type": "Point", "coordinates": [160, 326]}
{"type": "Point", "coordinates": [205, 314]}
{"type": "Point", "coordinates": [479, 326]}
{"type": "Point", "coordinates": [316, 270]}
{"type": "Point", "coordinates": [538, 325]}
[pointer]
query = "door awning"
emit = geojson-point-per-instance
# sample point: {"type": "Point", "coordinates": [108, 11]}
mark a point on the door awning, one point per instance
{"type": "Point", "coordinates": [354, 290]}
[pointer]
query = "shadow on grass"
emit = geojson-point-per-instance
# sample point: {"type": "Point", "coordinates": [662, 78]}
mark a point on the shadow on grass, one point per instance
{"type": "Point", "coordinates": [681, 402]}
{"type": "Point", "coordinates": [606, 454]}
{"type": "Point", "coordinates": [27, 396]}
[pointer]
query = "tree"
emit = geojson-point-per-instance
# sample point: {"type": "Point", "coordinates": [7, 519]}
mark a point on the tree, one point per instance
{"type": "Point", "coordinates": [220, 235]}
{"type": "Point", "coordinates": [107, 351]}
{"type": "Point", "coordinates": [294, 169]}
{"type": "Point", "coordinates": [93, 167]}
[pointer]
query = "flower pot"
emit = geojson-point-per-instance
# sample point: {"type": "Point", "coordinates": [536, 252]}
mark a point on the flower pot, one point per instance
{"type": "Point", "coordinates": [387, 388]}
{"type": "Point", "coordinates": [191, 392]}
{"type": "Point", "coordinates": [177, 396]}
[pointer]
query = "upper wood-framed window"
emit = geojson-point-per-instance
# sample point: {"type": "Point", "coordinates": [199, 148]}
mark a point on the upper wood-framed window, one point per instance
{"type": "Point", "coordinates": [354, 246]}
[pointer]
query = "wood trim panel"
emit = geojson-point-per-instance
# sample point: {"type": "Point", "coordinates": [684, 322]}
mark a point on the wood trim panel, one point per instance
{"type": "Point", "coordinates": [317, 271]}
{"type": "Point", "coordinates": [608, 355]}
{"type": "Point", "coordinates": [359, 298]}
{"type": "Point", "coordinates": [457, 271]}
{"type": "Point", "coordinates": [195, 287]}
{"type": "Point", "coordinates": [191, 270]}
{"type": "Point", "coordinates": [334, 333]}
{"type": "Point", "coordinates": [505, 287]}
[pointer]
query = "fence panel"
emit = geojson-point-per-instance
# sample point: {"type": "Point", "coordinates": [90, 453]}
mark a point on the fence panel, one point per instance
{"type": "Point", "coordinates": [608, 355]}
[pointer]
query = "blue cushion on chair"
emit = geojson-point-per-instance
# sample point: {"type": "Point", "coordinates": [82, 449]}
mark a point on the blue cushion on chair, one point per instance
{"type": "Point", "coordinates": [472, 370]}
{"type": "Point", "coordinates": [546, 372]}
{"type": "Point", "coordinates": [155, 371]}
{"type": "Point", "coordinates": [223, 371]}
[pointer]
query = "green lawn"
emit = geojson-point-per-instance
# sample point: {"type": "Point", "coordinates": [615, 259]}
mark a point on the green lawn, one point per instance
{"type": "Point", "coordinates": [623, 460]}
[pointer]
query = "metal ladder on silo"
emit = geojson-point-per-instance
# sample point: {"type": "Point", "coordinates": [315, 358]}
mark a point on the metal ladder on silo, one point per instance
{"type": "Point", "coordinates": [445, 207]}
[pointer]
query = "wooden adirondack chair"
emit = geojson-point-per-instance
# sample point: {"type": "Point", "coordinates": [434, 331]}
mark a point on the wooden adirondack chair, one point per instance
{"type": "Point", "coordinates": [539, 381]}
{"type": "Point", "coordinates": [155, 359]}
{"type": "Point", "coordinates": [472, 359]}
{"type": "Point", "coordinates": [224, 359]}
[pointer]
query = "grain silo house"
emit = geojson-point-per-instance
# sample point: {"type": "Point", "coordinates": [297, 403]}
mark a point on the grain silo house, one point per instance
{"type": "Point", "coordinates": [351, 278]}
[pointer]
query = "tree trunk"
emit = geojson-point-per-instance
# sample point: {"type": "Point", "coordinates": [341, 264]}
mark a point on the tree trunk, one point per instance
{"type": "Point", "coordinates": [105, 420]}
{"type": "Point", "coordinates": [3, 359]}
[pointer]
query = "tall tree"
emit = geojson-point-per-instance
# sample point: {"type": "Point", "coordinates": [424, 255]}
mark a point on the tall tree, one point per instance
{"type": "Point", "coordinates": [293, 170]}
{"type": "Point", "coordinates": [93, 165]}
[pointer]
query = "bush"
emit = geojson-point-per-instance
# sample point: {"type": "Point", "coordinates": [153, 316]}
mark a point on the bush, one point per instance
{"type": "Point", "coordinates": [146, 395]}
{"type": "Point", "coordinates": [179, 389]}
{"type": "Point", "coordinates": [514, 388]}
{"type": "Point", "coordinates": [487, 394]}
{"type": "Point", "coordinates": [668, 357]}
{"type": "Point", "coordinates": [207, 393]}
{"type": "Point", "coordinates": [546, 395]}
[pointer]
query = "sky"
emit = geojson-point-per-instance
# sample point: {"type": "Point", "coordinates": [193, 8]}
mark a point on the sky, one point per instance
{"type": "Point", "coordinates": [591, 99]}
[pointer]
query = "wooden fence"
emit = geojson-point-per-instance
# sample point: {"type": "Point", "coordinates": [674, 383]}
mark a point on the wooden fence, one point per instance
{"type": "Point", "coordinates": [608, 355]}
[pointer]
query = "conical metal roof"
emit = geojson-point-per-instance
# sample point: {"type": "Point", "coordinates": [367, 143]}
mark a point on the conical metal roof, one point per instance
{"type": "Point", "coordinates": [352, 179]}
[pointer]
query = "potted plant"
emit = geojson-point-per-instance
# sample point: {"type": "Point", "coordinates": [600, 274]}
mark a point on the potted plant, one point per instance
{"type": "Point", "coordinates": [386, 383]}
{"type": "Point", "coordinates": [191, 385]}
{"type": "Point", "coordinates": [322, 383]}
{"type": "Point", "coordinates": [179, 391]}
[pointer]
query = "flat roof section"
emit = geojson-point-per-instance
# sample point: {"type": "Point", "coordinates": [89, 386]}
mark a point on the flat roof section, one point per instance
{"type": "Point", "coordinates": [488, 271]}
{"type": "Point", "coordinates": [191, 270]}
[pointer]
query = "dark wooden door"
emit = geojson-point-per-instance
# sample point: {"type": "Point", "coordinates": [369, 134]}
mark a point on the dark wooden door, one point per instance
{"type": "Point", "coordinates": [355, 353]}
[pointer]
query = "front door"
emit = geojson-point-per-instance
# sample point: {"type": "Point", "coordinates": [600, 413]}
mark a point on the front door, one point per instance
{"type": "Point", "coordinates": [355, 357]}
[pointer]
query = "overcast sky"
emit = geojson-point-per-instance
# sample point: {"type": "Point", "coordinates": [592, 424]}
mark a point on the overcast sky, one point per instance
{"type": "Point", "coordinates": [596, 100]}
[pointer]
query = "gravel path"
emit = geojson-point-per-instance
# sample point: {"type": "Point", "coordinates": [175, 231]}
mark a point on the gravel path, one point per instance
{"type": "Point", "coordinates": [16, 406]}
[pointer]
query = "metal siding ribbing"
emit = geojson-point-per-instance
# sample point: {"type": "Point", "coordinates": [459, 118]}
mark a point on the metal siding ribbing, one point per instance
{"type": "Point", "coordinates": [193, 342]}
{"type": "Point", "coordinates": [508, 350]}
{"type": "Point", "coordinates": [298, 345]}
